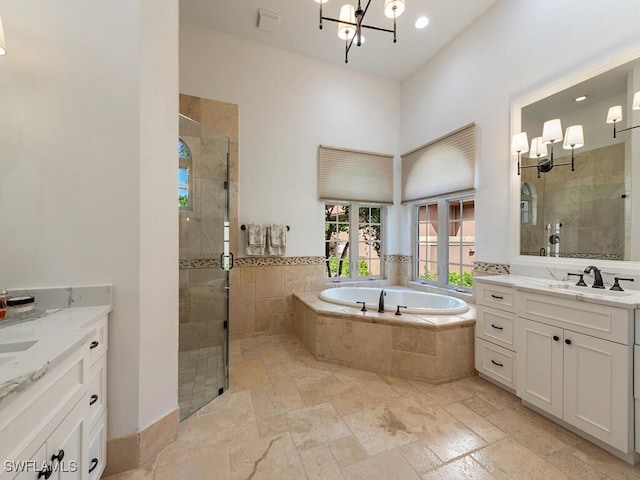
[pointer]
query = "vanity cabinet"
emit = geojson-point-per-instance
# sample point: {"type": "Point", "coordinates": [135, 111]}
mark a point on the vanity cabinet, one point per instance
{"type": "Point", "coordinates": [55, 427]}
{"type": "Point", "coordinates": [495, 356]}
{"type": "Point", "coordinates": [568, 370]}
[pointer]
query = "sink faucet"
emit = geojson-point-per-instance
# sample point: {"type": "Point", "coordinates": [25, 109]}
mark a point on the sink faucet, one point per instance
{"type": "Point", "coordinates": [381, 301]}
{"type": "Point", "coordinates": [597, 276]}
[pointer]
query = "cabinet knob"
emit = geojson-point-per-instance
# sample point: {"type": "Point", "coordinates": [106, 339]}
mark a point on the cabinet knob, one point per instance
{"type": "Point", "coordinates": [94, 464]}
{"type": "Point", "coordinates": [57, 458]}
{"type": "Point", "coordinates": [556, 338]}
{"type": "Point", "coordinates": [567, 341]}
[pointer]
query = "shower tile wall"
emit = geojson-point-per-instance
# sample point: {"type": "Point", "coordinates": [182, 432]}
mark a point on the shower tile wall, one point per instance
{"type": "Point", "coordinates": [201, 291]}
{"type": "Point", "coordinates": [590, 194]}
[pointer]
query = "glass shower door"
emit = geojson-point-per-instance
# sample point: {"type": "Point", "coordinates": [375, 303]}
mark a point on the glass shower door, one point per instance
{"type": "Point", "coordinates": [205, 261]}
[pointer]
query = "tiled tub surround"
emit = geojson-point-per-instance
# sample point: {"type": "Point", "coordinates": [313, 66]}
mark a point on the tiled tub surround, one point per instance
{"type": "Point", "coordinates": [430, 348]}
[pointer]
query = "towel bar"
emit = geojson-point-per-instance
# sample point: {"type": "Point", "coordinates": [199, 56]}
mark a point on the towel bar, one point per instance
{"type": "Point", "coordinates": [244, 227]}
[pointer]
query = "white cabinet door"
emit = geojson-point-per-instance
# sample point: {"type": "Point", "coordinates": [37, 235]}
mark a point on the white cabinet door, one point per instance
{"type": "Point", "coordinates": [597, 388]}
{"type": "Point", "coordinates": [540, 365]}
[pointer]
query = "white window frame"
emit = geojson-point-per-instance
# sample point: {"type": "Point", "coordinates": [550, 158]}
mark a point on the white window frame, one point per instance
{"type": "Point", "coordinates": [354, 241]}
{"type": "Point", "coordinates": [443, 242]}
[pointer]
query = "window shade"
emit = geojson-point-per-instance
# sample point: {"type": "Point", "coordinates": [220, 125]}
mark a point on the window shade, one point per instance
{"type": "Point", "coordinates": [349, 175]}
{"type": "Point", "coordinates": [443, 166]}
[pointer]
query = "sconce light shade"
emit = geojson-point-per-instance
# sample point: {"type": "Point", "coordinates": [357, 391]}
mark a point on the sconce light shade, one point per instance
{"type": "Point", "coordinates": [552, 131]}
{"type": "Point", "coordinates": [636, 101]}
{"type": "Point", "coordinates": [3, 44]}
{"type": "Point", "coordinates": [615, 114]}
{"type": "Point", "coordinates": [347, 14]}
{"type": "Point", "coordinates": [321, 1]}
{"type": "Point", "coordinates": [538, 148]}
{"type": "Point", "coordinates": [520, 143]}
{"type": "Point", "coordinates": [393, 8]}
{"type": "Point", "coordinates": [573, 137]}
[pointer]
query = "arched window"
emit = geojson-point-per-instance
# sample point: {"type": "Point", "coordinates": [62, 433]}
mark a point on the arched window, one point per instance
{"type": "Point", "coordinates": [184, 175]}
{"type": "Point", "coordinates": [528, 204]}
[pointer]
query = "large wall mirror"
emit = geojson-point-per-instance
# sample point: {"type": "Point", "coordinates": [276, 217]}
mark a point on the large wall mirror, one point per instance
{"type": "Point", "coordinates": [575, 191]}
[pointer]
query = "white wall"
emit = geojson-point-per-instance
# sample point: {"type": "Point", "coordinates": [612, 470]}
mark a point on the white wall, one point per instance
{"type": "Point", "coordinates": [517, 47]}
{"type": "Point", "coordinates": [75, 157]}
{"type": "Point", "coordinates": [288, 105]}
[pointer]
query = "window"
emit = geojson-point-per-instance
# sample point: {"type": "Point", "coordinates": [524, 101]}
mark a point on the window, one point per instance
{"type": "Point", "coordinates": [444, 256]}
{"type": "Point", "coordinates": [184, 175]}
{"type": "Point", "coordinates": [348, 226]}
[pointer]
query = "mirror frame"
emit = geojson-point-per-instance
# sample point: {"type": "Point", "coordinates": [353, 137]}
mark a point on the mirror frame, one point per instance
{"type": "Point", "coordinates": [515, 184]}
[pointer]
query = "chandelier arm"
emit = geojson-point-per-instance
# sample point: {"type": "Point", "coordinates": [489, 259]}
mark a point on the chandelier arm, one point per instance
{"type": "Point", "coordinates": [376, 28]}
{"type": "Point", "coordinates": [347, 44]}
{"type": "Point", "coordinates": [614, 125]}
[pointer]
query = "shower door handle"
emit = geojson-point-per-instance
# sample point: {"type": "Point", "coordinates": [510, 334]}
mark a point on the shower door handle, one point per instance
{"type": "Point", "coordinates": [222, 258]}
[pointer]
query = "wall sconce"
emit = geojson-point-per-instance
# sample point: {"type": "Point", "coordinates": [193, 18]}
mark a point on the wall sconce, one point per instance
{"type": "Point", "coordinates": [3, 44]}
{"type": "Point", "coordinates": [551, 133]}
{"type": "Point", "coordinates": [350, 21]}
{"type": "Point", "coordinates": [615, 114]}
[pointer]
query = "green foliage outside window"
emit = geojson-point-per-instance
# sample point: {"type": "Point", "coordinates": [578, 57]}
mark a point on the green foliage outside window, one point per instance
{"type": "Point", "coordinates": [363, 268]}
{"type": "Point", "coordinates": [454, 278]}
{"type": "Point", "coordinates": [183, 200]}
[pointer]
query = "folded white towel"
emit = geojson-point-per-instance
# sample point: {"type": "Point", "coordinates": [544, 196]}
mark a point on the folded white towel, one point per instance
{"type": "Point", "coordinates": [255, 239]}
{"type": "Point", "coordinates": [277, 239]}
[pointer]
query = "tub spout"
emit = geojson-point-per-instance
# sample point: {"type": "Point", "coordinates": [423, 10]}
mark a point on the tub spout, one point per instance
{"type": "Point", "coordinates": [381, 301]}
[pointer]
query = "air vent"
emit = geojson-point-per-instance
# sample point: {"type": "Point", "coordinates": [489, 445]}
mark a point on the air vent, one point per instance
{"type": "Point", "coordinates": [268, 21]}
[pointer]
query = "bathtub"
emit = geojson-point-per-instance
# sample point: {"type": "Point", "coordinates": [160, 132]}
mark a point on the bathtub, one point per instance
{"type": "Point", "coordinates": [416, 302]}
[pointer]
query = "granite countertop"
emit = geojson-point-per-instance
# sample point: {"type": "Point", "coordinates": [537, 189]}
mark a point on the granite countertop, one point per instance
{"type": "Point", "coordinates": [628, 299]}
{"type": "Point", "coordinates": [54, 334]}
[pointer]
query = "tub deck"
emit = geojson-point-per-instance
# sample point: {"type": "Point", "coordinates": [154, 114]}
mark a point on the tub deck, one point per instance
{"type": "Point", "coordinates": [429, 348]}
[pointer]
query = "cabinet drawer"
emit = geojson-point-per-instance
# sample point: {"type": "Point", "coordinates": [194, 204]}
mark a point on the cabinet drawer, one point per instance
{"type": "Point", "coordinates": [97, 449]}
{"type": "Point", "coordinates": [602, 321]}
{"type": "Point", "coordinates": [496, 362]}
{"type": "Point", "coordinates": [495, 326]}
{"type": "Point", "coordinates": [494, 296]}
{"type": "Point", "coordinates": [636, 372]}
{"type": "Point", "coordinates": [97, 390]}
{"type": "Point", "coordinates": [98, 342]}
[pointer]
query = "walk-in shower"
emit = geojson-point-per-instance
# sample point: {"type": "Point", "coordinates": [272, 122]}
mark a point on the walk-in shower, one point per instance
{"type": "Point", "coordinates": [203, 202]}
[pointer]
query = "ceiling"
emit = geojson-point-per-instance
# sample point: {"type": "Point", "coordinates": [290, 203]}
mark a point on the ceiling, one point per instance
{"type": "Point", "coordinates": [298, 29]}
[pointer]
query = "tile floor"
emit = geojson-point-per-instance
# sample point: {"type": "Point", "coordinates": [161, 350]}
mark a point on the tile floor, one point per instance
{"type": "Point", "coordinates": [200, 376]}
{"type": "Point", "coordinates": [288, 416]}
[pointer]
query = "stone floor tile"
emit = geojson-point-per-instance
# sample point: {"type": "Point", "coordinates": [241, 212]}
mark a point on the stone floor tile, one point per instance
{"type": "Point", "coordinates": [314, 426]}
{"type": "Point", "coordinates": [248, 375]}
{"type": "Point", "coordinates": [387, 465]}
{"type": "Point", "coordinates": [270, 426]}
{"type": "Point", "coordinates": [474, 422]}
{"type": "Point", "coordinates": [319, 464]}
{"type": "Point", "coordinates": [212, 466]}
{"type": "Point", "coordinates": [420, 457]}
{"type": "Point", "coordinates": [480, 406]}
{"type": "Point", "coordinates": [378, 429]}
{"type": "Point", "coordinates": [280, 398]}
{"type": "Point", "coordinates": [508, 459]}
{"type": "Point", "coordinates": [265, 459]}
{"type": "Point", "coordinates": [463, 468]}
{"type": "Point", "coordinates": [347, 450]}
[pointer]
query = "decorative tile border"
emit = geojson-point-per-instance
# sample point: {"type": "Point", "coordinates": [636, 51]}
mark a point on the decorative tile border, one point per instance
{"type": "Point", "coordinates": [398, 258]}
{"type": "Point", "coordinates": [486, 267]}
{"type": "Point", "coordinates": [590, 256]}
{"type": "Point", "coordinates": [251, 262]}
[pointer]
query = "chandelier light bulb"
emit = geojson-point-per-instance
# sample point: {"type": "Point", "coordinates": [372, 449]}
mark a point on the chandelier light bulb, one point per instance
{"type": "Point", "coordinates": [393, 8]}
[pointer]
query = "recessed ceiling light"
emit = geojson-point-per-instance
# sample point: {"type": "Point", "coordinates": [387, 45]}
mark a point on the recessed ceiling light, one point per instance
{"type": "Point", "coordinates": [422, 22]}
{"type": "Point", "coordinates": [581, 98]}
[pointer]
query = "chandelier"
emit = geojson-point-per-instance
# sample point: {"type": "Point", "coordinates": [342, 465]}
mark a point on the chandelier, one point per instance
{"type": "Point", "coordinates": [350, 22]}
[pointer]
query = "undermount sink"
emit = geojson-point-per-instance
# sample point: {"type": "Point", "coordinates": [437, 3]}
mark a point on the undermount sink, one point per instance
{"type": "Point", "coordinates": [16, 347]}
{"type": "Point", "coordinates": [590, 291]}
